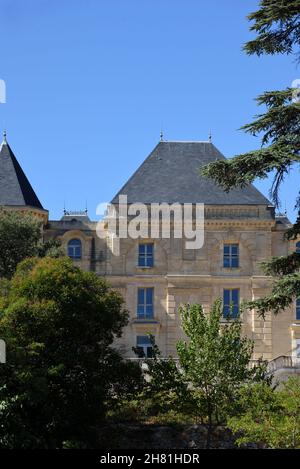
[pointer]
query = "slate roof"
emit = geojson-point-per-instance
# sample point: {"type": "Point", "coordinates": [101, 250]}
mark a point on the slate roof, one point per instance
{"type": "Point", "coordinates": [171, 174]}
{"type": "Point", "coordinates": [15, 189]}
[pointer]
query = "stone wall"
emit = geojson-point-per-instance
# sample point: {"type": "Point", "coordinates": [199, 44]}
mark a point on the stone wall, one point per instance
{"type": "Point", "coordinates": [184, 276]}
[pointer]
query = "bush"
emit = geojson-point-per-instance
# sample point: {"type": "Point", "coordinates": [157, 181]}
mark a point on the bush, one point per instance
{"type": "Point", "coordinates": [269, 417]}
{"type": "Point", "coordinates": [58, 323]}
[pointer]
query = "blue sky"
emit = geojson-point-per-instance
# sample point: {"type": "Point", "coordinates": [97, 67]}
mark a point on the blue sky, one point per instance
{"type": "Point", "coordinates": [91, 82]}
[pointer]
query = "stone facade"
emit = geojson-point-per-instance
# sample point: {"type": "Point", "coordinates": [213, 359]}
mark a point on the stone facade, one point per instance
{"type": "Point", "coordinates": [243, 218]}
{"type": "Point", "coordinates": [198, 277]}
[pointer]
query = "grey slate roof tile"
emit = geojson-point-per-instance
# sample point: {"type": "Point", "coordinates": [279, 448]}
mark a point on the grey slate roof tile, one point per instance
{"type": "Point", "coordinates": [15, 189]}
{"type": "Point", "coordinates": [171, 174]}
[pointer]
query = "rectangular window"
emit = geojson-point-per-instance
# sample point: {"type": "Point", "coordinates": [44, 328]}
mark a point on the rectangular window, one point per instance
{"type": "Point", "coordinates": [231, 303]}
{"type": "Point", "coordinates": [146, 255]}
{"type": "Point", "coordinates": [231, 255]}
{"type": "Point", "coordinates": [145, 303]}
{"type": "Point", "coordinates": [298, 308]}
{"type": "Point", "coordinates": [144, 346]}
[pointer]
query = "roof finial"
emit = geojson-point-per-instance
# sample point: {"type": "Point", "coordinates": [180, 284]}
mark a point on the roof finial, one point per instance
{"type": "Point", "coordinates": [161, 135]}
{"type": "Point", "coordinates": [210, 137]}
{"type": "Point", "coordinates": [4, 136]}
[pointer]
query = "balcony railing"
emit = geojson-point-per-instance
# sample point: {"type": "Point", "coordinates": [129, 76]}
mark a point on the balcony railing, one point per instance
{"type": "Point", "coordinates": [278, 363]}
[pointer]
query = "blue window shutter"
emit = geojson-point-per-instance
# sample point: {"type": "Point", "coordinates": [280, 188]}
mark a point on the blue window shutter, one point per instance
{"type": "Point", "coordinates": [226, 297]}
{"type": "Point", "coordinates": [226, 249]}
{"type": "Point", "coordinates": [141, 296]}
{"type": "Point", "coordinates": [149, 249]}
{"type": "Point", "coordinates": [298, 308]}
{"type": "Point", "coordinates": [235, 297]}
{"type": "Point", "coordinates": [230, 303]}
{"type": "Point", "coordinates": [226, 311]}
{"type": "Point", "coordinates": [149, 311]}
{"type": "Point", "coordinates": [149, 296]}
{"type": "Point", "coordinates": [226, 301]}
{"type": "Point", "coordinates": [234, 249]}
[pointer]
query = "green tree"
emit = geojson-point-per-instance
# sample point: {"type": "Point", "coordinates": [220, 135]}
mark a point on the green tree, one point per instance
{"type": "Point", "coordinates": [214, 362]}
{"type": "Point", "coordinates": [163, 388]}
{"type": "Point", "coordinates": [21, 237]}
{"type": "Point", "coordinates": [58, 323]}
{"type": "Point", "coordinates": [268, 417]}
{"type": "Point", "coordinates": [277, 28]}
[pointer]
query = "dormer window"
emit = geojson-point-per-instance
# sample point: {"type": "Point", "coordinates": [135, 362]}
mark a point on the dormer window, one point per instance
{"type": "Point", "coordinates": [75, 249]}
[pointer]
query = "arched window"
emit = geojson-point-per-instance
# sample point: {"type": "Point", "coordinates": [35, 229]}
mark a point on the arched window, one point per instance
{"type": "Point", "coordinates": [74, 249]}
{"type": "Point", "coordinates": [298, 247]}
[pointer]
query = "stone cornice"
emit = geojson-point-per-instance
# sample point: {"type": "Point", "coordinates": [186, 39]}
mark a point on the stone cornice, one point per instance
{"type": "Point", "coordinates": [241, 223]}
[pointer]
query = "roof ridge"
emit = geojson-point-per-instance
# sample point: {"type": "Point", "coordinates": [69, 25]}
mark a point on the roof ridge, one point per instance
{"type": "Point", "coordinates": [186, 141]}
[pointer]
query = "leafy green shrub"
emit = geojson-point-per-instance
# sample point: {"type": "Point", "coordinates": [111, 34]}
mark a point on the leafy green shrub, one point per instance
{"type": "Point", "coordinates": [269, 417]}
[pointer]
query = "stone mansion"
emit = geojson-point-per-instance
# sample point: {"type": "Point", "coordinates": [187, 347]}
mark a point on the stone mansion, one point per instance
{"type": "Point", "coordinates": [156, 275]}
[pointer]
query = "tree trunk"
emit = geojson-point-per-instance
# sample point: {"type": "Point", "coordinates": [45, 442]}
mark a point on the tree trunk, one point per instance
{"type": "Point", "coordinates": [209, 431]}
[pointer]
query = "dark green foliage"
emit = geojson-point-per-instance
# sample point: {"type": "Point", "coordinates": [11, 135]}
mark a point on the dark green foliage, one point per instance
{"type": "Point", "coordinates": [126, 380]}
{"type": "Point", "coordinates": [21, 237]}
{"type": "Point", "coordinates": [58, 323]}
{"type": "Point", "coordinates": [280, 129]}
{"type": "Point", "coordinates": [163, 389]}
{"type": "Point", "coordinates": [284, 290]}
{"type": "Point", "coordinates": [277, 24]}
{"type": "Point", "coordinates": [283, 265]}
{"type": "Point", "coordinates": [50, 248]}
{"type": "Point", "coordinates": [164, 373]}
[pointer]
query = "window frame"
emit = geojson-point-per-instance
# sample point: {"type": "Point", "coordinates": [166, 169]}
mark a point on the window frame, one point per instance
{"type": "Point", "coordinates": [74, 248]}
{"type": "Point", "coordinates": [146, 306]}
{"type": "Point", "coordinates": [145, 346]}
{"type": "Point", "coordinates": [230, 256]}
{"type": "Point", "coordinates": [231, 305]}
{"type": "Point", "coordinates": [146, 256]}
